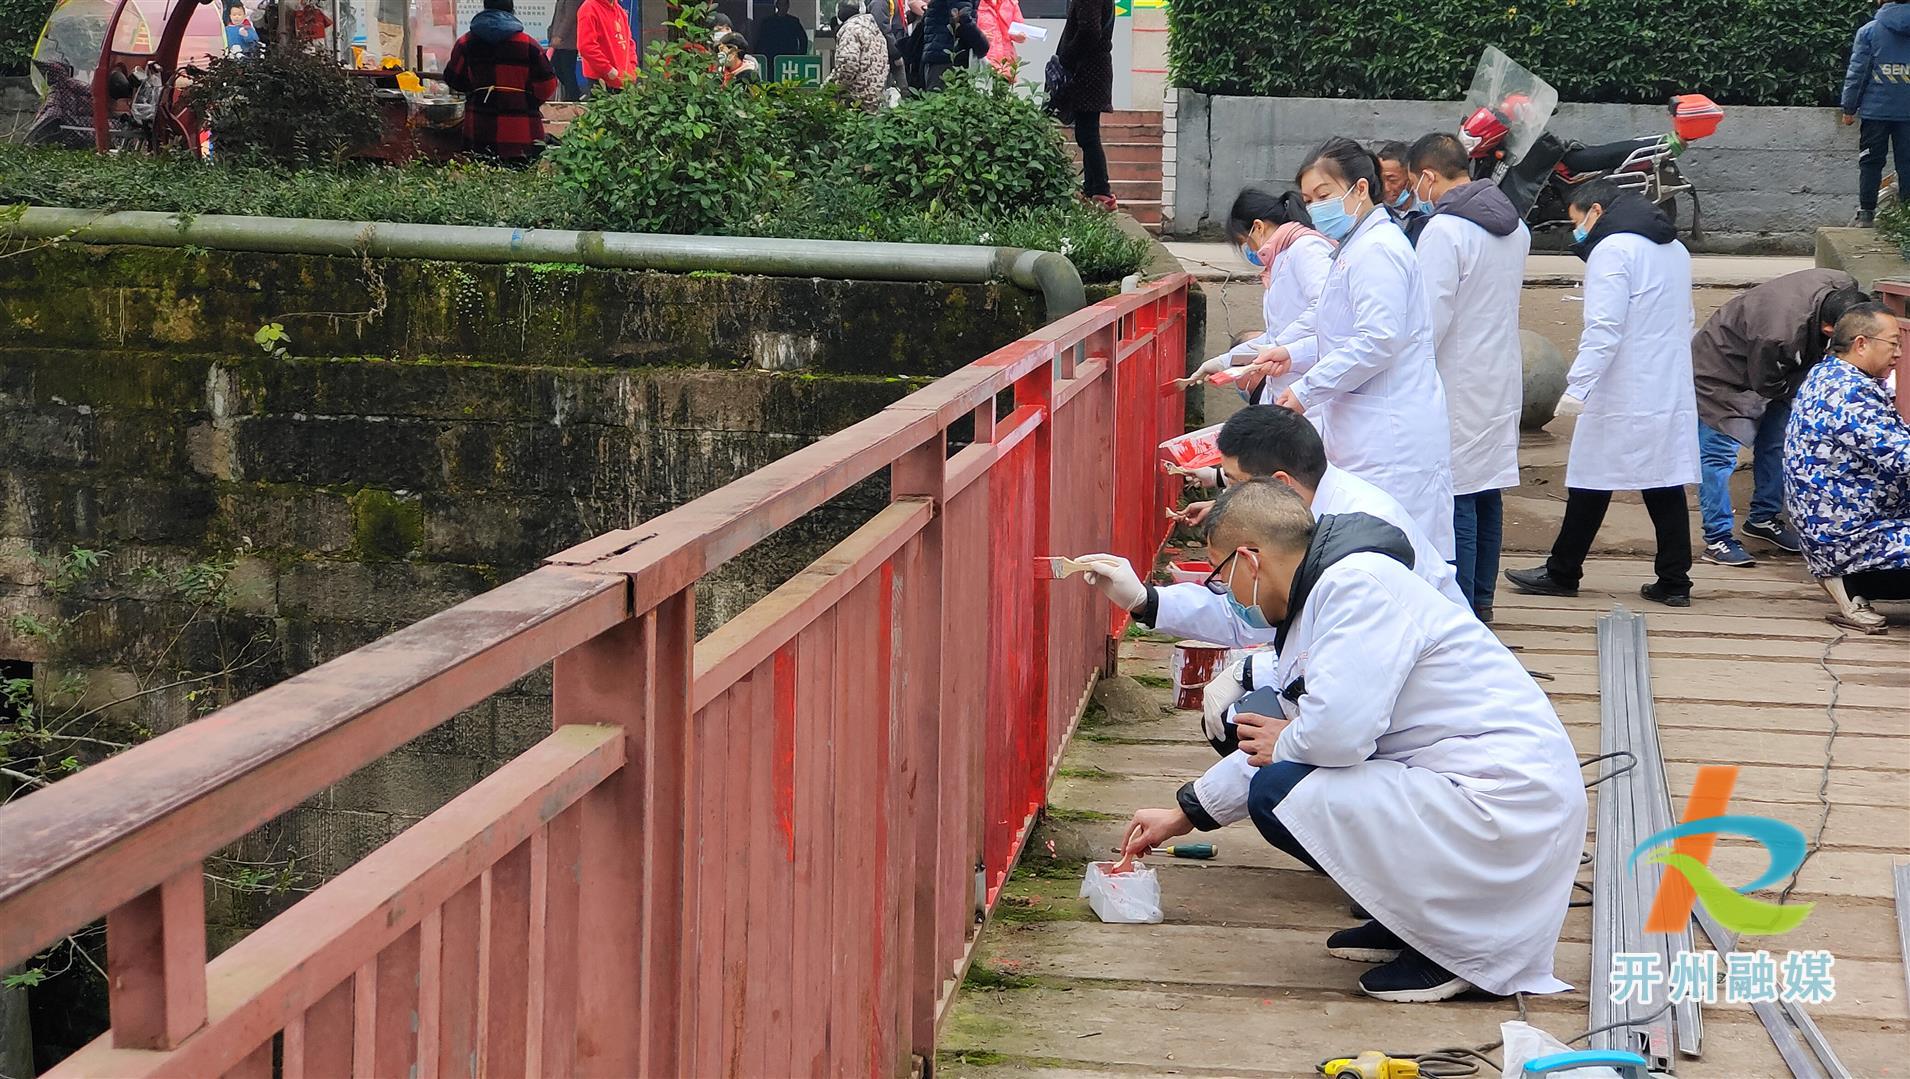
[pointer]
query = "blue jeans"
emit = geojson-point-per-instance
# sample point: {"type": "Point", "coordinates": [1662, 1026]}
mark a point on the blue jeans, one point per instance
{"type": "Point", "coordinates": [1270, 787]}
{"type": "Point", "coordinates": [1718, 458]}
{"type": "Point", "coordinates": [1873, 138]}
{"type": "Point", "coordinates": [1478, 528]}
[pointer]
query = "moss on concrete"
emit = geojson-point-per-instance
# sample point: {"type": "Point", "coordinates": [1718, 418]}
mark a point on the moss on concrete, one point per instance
{"type": "Point", "coordinates": [385, 528]}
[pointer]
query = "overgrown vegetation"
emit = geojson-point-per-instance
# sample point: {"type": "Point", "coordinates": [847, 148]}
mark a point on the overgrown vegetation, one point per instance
{"type": "Point", "coordinates": [1893, 224]}
{"type": "Point", "coordinates": [1741, 53]}
{"type": "Point", "coordinates": [286, 106]}
{"type": "Point", "coordinates": [20, 23]}
{"type": "Point", "coordinates": [676, 151]}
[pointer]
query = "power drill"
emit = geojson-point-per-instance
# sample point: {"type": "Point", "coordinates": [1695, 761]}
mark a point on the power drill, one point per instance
{"type": "Point", "coordinates": [1371, 1064]}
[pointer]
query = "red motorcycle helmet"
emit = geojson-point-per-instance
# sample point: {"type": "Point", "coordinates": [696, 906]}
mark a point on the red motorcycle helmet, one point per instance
{"type": "Point", "coordinates": [1482, 132]}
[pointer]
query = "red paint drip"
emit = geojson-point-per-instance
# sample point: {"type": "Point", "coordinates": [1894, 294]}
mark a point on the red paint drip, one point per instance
{"type": "Point", "coordinates": [785, 686]}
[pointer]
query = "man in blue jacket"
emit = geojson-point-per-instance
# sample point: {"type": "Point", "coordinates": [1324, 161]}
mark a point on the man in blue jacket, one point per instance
{"type": "Point", "coordinates": [1877, 91]}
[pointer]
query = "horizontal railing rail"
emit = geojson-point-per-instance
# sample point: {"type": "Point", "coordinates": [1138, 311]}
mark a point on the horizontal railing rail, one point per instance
{"type": "Point", "coordinates": [760, 853]}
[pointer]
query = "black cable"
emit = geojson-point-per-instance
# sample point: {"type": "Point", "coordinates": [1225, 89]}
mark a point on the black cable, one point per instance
{"type": "Point", "coordinates": [1823, 779]}
{"type": "Point", "coordinates": [1626, 753]}
{"type": "Point", "coordinates": [1632, 1021]}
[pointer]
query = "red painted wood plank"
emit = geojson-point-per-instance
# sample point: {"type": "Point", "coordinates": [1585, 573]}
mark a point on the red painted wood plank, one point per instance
{"type": "Point", "coordinates": [460, 941]}
{"type": "Point", "coordinates": [815, 819]}
{"type": "Point", "coordinates": [610, 681]}
{"type": "Point", "coordinates": [779, 954]}
{"type": "Point", "coordinates": [554, 996]}
{"type": "Point", "coordinates": [256, 1066]}
{"type": "Point", "coordinates": [743, 643]}
{"type": "Point", "coordinates": [318, 1043]}
{"type": "Point", "coordinates": [430, 990]}
{"type": "Point", "coordinates": [666, 759]}
{"type": "Point", "coordinates": [504, 1012]}
{"type": "Point", "coordinates": [264, 982]}
{"type": "Point", "coordinates": [757, 757]}
{"type": "Point", "coordinates": [710, 807]}
{"type": "Point", "coordinates": [857, 787]}
{"type": "Point", "coordinates": [155, 962]}
{"type": "Point", "coordinates": [364, 1022]}
{"type": "Point", "coordinates": [97, 839]}
{"type": "Point", "coordinates": [395, 1012]}
{"type": "Point", "coordinates": [894, 833]}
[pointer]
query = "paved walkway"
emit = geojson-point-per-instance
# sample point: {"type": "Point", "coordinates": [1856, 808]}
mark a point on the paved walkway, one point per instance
{"type": "Point", "coordinates": [1236, 982]}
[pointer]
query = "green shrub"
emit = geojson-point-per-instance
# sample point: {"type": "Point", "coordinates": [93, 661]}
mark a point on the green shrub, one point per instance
{"type": "Point", "coordinates": [20, 23]}
{"type": "Point", "coordinates": [291, 105]}
{"type": "Point", "coordinates": [974, 148]}
{"type": "Point", "coordinates": [1745, 52]}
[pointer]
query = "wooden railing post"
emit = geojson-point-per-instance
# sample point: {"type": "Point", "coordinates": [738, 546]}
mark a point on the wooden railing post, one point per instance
{"type": "Point", "coordinates": [922, 473]}
{"type": "Point", "coordinates": [156, 963]}
{"type": "Point", "coordinates": [638, 676]}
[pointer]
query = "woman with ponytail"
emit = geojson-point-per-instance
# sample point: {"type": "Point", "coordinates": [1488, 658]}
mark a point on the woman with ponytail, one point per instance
{"type": "Point", "coordinates": [1276, 237]}
{"type": "Point", "coordinates": [1367, 377]}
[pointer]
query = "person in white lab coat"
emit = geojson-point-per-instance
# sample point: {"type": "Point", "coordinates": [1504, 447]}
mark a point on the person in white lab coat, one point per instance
{"type": "Point", "coordinates": [1472, 252]}
{"type": "Point", "coordinates": [1260, 442]}
{"type": "Point", "coordinates": [1638, 430]}
{"type": "Point", "coordinates": [1367, 378]}
{"type": "Point", "coordinates": [1416, 762]}
{"type": "Point", "coordinates": [1274, 235]}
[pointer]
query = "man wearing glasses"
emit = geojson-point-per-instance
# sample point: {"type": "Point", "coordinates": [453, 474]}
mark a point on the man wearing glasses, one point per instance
{"type": "Point", "coordinates": [1415, 762]}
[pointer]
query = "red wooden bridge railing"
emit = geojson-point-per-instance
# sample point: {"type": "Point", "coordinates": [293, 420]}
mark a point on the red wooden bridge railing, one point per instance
{"type": "Point", "coordinates": [761, 853]}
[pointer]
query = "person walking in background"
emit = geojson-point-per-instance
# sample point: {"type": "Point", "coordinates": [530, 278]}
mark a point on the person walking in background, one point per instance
{"type": "Point", "coordinates": [1746, 364]}
{"type": "Point", "coordinates": [914, 71]}
{"type": "Point", "coordinates": [505, 79]}
{"type": "Point", "coordinates": [938, 39]}
{"type": "Point", "coordinates": [603, 42]}
{"type": "Point", "coordinates": [997, 19]}
{"type": "Point", "coordinates": [862, 57]}
{"type": "Point", "coordinates": [1638, 430]}
{"type": "Point", "coordinates": [1877, 91]}
{"type": "Point", "coordinates": [780, 34]}
{"type": "Point", "coordinates": [1084, 60]}
{"type": "Point", "coordinates": [1471, 254]}
{"type": "Point", "coordinates": [563, 49]}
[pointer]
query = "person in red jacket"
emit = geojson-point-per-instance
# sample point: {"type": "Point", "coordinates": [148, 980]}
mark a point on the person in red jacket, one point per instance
{"type": "Point", "coordinates": [505, 79]}
{"type": "Point", "coordinates": [603, 40]}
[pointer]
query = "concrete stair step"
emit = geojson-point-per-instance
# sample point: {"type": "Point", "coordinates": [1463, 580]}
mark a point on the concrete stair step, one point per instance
{"type": "Point", "coordinates": [1137, 190]}
{"type": "Point", "coordinates": [1135, 170]}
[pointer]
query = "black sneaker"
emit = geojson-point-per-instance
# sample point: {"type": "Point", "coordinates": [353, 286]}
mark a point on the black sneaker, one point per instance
{"type": "Point", "coordinates": [1864, 219]}
{"type": "Point", "coordinates": [1537, 581]}
{"type": "Point", "coordinates": [1369, 943]}
{"type": "Point", "coordinates": [1483, 614]}
{"type": "Point", "coordinates": [1776, 533]}
{"type": "Point", "coordinates": [1658, 593]}
{"type": "Point", "coordinates": [1412, 979]}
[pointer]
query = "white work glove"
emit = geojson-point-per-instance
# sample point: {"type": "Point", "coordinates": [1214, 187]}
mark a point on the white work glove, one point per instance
{"type": "Point", "coordinates": [1219, 696]}
{"type": "Point", "coordinates": [1115, 578]}
{"type": "Point", "coordinates": [1568, 406]}
{"type": "Point", "coordinates": [1206, 476]}
{"type": "Point", "coordinates": [1211, 367]}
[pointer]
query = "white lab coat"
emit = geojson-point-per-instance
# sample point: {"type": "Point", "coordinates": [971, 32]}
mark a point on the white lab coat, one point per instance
{"type": "Point", "coordinates": [1639, 427]}
{"type": "Point", "coordinates": [1293, 288]}
{"type": "Point", "coordinates": [1447, 798]}
{"type": "Point", "coordinates": [1472, 280]}
{"type": "Point", "coordinates": [1194, 611]}
{"type": "Point", "coordinates": [1369, 383]}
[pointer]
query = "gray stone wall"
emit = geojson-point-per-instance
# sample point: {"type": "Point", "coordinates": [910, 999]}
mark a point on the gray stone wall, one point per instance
{"type": "Point", "coordinates": [1767, 180]}
{"type": "Point", "coordinates": [433, 431]}
{"type": "Point", "coordinates": [18, 102]}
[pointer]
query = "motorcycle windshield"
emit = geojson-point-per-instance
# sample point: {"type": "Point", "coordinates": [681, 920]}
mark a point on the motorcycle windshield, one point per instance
{"type": "Point", "coordinates": [1521, 99]}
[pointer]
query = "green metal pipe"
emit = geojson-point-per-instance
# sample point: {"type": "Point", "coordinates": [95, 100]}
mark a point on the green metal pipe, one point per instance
{"type": "Point", "coordinates": [1045, 272]}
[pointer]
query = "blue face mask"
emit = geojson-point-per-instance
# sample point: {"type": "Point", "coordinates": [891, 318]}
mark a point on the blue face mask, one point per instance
{"type": "Point", "coordinates": [1249, 616]}
{"type": "Point", "coordinates": [1330, 217]}
{"type": "Point", "coordinates": [1581, 233]}
{"type": "Point", "coordinates": [1253, 257]}
{"type": "Point", "coordinates": [1404, 200]}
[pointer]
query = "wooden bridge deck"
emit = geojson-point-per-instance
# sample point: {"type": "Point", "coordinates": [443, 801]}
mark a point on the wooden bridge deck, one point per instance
{"type": "Point", "coordinates": [1236, 982]}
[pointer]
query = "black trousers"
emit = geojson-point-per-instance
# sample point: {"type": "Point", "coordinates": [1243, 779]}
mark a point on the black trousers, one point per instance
{"type": "Point", "coordinates": [1585, 512]}
{"type": "Point", "coordinates": [1874, 137]}
{"type": "Point", "coordinates": [568, 76]}
{"type": "Point", "coordinates": [1094, 159]}
{"type": "Point", "coordinates": [1879, 583]}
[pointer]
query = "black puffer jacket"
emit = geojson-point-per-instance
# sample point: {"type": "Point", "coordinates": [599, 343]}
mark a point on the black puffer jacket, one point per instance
{"type": "Point", "coordinates": [1629, 212]}
{"type": "Point", "coordinates": [1086, 49]}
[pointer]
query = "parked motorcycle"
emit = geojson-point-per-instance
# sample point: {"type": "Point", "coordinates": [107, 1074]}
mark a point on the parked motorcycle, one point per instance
{"type": "Point", "coordinates": [1504, 134]}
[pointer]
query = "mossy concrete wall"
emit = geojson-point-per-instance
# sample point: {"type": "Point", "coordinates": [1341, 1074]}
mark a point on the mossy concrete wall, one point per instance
{"type": "Point", "coordinates": [431, 431]}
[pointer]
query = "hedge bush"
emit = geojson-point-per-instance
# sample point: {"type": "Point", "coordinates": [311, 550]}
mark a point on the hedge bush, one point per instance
{"type": "Point", "coordinates": [1740, 52]}
{"type": "Point", "coordinates": [20, 23]}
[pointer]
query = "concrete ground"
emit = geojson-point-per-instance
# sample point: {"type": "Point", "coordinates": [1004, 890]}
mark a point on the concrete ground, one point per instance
{"type": "Point", "coordinates": [1236, 981]}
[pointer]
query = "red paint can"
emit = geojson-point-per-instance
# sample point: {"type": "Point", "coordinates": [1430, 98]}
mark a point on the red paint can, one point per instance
{"type": "Point", "coordinates": [1196, 663]}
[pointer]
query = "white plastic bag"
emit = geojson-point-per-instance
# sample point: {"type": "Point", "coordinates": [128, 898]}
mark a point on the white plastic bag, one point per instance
{"type": "Point", "coordinates": [1133, 897]}
{"type": "Point", "coordinates": [1524, 1042]}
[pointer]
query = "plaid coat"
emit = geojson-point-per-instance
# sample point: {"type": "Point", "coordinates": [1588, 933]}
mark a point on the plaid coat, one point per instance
{"type": "Point", "coordinates": [505, 79]}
